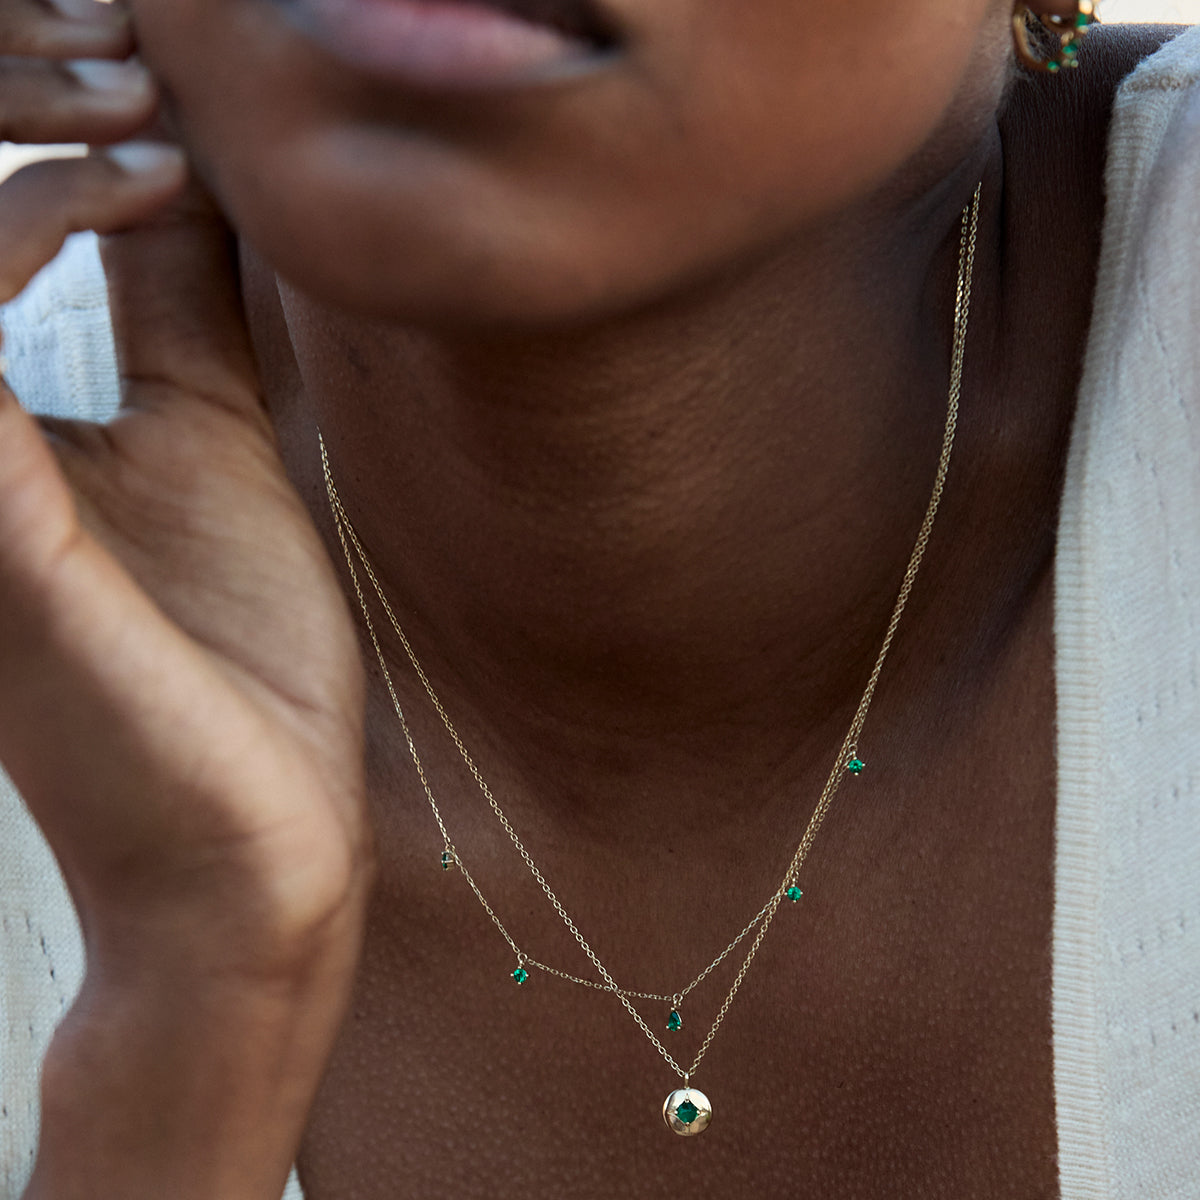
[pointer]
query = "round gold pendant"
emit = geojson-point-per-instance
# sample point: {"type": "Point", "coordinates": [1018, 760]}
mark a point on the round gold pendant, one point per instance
{"type": "Point", "coordinates": [687, 1112]}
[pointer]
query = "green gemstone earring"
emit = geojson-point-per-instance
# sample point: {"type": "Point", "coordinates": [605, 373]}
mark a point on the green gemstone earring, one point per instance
{"type": "Point", "coordinates": [1065, 34]}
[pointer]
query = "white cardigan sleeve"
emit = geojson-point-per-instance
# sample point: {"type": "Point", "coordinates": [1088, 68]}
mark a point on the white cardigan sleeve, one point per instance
{"type": "Point", "coordinates": [1127, 615]}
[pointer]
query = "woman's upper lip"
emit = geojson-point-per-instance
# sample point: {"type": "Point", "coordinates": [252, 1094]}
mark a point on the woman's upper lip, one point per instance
{"type": "Point", "coordinates": [460, 45]}
{"type": "Point", "coordinates": [582, 19]}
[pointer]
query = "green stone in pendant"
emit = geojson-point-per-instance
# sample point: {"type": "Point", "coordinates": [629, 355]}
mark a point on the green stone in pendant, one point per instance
{"type": "Point", "coordinates": [687, 1112]}
{"type": "Point", "coordinates": [674, 1021]}
{"type": "Point", "coordinates": [856, 766]}
{"type": "Point", "coordinates": [793, 894]}
{"type": "Point", "coordinates": [447, 860]}
{"type": "Point", "coordinates": [520, 975]}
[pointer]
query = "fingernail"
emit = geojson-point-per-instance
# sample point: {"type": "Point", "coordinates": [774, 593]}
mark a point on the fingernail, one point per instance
{"type": "Point", "coordinates": [100, 11]}
{"type": "Point", "coordinates": [145, 158]}
{"type": "Point", "coordinates": [102, 75]}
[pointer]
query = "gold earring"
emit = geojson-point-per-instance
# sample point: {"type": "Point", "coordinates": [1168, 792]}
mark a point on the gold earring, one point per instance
{"type": "Point", "coordinates": [1065, 32]}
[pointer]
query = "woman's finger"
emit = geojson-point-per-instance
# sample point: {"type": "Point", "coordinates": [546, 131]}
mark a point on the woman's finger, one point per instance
{"type": "Point", "coordinates": [91, 100]}
{"type": "Point", "coordinates": [177, 312]}
{"type": "Point", "coordinates": [65, 30]}
{"type": "Point", "coordinates": [44, 202]}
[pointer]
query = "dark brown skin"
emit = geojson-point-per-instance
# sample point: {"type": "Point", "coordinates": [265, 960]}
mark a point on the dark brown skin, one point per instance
{"type": "Point", "coordinates": [642, 474]}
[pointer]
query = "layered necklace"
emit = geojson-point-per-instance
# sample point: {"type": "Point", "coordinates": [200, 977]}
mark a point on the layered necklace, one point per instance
{"type": "Point", "coordinates": [687, 1111]}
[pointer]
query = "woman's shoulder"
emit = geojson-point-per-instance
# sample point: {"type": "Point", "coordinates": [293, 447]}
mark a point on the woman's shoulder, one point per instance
{"type": "Point", "coordinates": [1152, 173]}
{"type": "Point", "coordinates": [1112, 56]}
{"type": "Point", "coordinates": [58, 342]}
{"type": "Point", "coordinates": [1146, 75]}
{"type": "Point", "coordinates": [1143, 347]}
{"type": "Point", "coordinates": [1117, 52]}
{"type": "Point", "coordinates": [1099, 160]}
{"type": "Point", "coordinates": [1057, 127]}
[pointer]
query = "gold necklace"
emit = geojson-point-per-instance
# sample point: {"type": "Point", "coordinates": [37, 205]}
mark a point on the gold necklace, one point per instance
{"type": "Point", "coordinates": [687, 1111]}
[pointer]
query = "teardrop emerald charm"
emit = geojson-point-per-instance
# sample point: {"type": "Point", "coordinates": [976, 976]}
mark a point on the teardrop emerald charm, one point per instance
{"type": "Point", "coordinates": [674, 1021]}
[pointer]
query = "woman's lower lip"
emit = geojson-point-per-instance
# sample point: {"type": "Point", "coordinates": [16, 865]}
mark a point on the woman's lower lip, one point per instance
{"type": "Point", "coordinates": [440, 44]}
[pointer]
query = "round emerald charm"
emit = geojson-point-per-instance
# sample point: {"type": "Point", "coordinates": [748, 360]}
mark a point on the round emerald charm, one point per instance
{"type": "Point", "coordinates": [520, 975]}
{"type": "Point", "coordinates": [856, 766]}
{"type": "Point", "coordinates": [674, 1021]}
{"type": "Point", "coordinates": [687, 1112]}
{"type": "Point", "coordinates": [793, 894]}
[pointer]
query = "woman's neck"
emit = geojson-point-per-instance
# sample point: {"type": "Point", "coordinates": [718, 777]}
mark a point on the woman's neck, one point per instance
{"type": "Point", "coordinates": [690, 523]}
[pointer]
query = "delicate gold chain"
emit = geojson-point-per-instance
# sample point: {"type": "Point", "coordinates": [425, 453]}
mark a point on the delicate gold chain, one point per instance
{"type": "Point", "coordinates": [848, 753]}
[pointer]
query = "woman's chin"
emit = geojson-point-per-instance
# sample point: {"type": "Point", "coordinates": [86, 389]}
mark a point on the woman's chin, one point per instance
{"type": "Point", "coordinates": [483, 171]}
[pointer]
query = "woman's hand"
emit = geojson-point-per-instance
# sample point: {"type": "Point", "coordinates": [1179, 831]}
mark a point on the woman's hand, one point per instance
{"type": "Point", "coordinates": [180, 690]}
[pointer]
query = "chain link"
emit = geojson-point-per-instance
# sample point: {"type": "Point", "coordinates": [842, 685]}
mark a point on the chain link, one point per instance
{"type": "Point", "coordinates": [762, 920]}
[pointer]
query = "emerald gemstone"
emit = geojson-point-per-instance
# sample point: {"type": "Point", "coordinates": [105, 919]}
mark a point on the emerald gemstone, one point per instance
{"type": "Point", "coordinates": [674, 1021]}
{"type": "Point", "coordinates": [793, 894]}
{"type": "Point", "coordinates": [1070, 51]}
{"type": "Point", "coordinates": [520, 974]}
{"type": "Point", "coordinates": [856, 766]}
{"type": "Point", "coordinates": [447, 860]}
{"type": "Point", "coordinates": [1083, 20]}
{"type": "Point", "coordinates": [1052, 66]}
{"type": "Point", "coordinates": [687, 1112]}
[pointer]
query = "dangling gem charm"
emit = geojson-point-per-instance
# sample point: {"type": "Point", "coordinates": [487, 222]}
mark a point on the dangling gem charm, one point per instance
{"type": "Point", "coordinates": [856, 766]}
{"type": "Point", "coordinates": [675, 1020]}
{"type": "Point", "coordinates": [447, 860]}
{"type": "Point", "coordinates": [687, 1112]}
{"type": "Point", "coordinates": [793, 894]}
{"type": "Point", "coordinates": [520, 974]}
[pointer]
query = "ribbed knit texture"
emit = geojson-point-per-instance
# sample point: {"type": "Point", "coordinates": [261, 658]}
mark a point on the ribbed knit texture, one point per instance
{"type": "Point", "coordinates": [1127, 629]}
{"type": "Point", "coordinates": [58, 338]}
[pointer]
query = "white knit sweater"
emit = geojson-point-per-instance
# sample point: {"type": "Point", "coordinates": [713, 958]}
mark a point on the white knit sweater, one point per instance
{"type": "Point", "coordinates": [1127, 627]}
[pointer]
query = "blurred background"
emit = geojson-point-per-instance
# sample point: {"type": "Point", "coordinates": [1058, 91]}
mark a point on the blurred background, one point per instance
{"type": "Point", "coordinates": [1186, 12]}
{"type": "Point", "coordinates": [1183, 12]}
